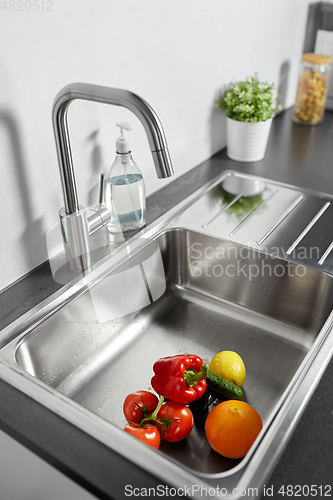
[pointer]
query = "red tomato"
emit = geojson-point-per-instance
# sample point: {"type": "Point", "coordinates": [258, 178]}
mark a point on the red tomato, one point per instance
{"type": "Point", "coordinates": [149, 435]}
{"type": "Point", "coordinates": [138, 405]}
{"type": "Point", "coordinates": [181, 423]}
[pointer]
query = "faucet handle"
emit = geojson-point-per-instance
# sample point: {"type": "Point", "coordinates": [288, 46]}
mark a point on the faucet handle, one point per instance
{"type": "Point", "coordinates": [101, 197]}
{"type": "Point", "coordinates": [99, 214]}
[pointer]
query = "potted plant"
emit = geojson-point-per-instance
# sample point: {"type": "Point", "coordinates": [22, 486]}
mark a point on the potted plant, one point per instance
{"type": "Point", "coordinates": [250, 106]}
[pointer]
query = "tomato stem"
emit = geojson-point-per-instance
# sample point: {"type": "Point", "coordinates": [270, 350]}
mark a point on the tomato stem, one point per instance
{"type": "Point", "coordinates": [153, 416]}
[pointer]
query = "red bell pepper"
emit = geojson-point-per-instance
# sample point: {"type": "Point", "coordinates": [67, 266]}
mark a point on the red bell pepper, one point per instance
{"type": "Point", "coordinates": [180, 378]}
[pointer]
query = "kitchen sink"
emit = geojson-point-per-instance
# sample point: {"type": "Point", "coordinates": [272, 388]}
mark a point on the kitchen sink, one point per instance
{"type": "Point", "coordinates": [206, 277]}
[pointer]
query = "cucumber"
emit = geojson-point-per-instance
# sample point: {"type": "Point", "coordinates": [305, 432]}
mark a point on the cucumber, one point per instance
{"type": "Point", "coordinates": [223, 389]}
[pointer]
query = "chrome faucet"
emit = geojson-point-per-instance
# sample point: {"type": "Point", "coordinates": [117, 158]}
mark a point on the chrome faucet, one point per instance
{"type": "Point", "coordinates": [76, 224]}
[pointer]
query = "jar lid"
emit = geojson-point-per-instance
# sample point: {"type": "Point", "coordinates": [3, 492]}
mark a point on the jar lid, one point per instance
{"type": "Point", "coordinates": [316, 58]}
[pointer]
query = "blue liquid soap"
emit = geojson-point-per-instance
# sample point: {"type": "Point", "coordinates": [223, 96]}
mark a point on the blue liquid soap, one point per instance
{"type": "Point", "coordinates": [126, 199]}
{"type": "Point", "coordinates": [125, 194]}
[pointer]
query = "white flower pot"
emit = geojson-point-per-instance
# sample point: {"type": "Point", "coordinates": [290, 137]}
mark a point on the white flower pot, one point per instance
{"type": "Point", "coordinates": [247, 141]}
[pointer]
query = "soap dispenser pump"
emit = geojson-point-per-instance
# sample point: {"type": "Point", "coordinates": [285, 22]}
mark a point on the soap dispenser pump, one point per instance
{"type": "Point", "coordinates": [125, 194]}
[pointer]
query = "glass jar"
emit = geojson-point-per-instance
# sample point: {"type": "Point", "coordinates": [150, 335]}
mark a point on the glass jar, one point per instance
{"type": "Point", "coordinates": [312, 89]}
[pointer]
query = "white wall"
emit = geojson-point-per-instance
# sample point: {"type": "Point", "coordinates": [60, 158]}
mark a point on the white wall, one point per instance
{"type": "Point", "coordinates": [175, 54]}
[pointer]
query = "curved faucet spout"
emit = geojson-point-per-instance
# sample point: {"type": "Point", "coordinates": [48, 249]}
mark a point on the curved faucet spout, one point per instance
{"type": "Point", "coordinates": [106, 95]}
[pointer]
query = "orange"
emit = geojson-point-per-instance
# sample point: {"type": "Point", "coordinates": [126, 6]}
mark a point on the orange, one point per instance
{"type": "Point", "coordinates": [232, 427]}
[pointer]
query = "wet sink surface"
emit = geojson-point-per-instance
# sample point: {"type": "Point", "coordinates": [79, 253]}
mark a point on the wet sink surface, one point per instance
{"type": "Point", "coordinates": [197, 301]}
{"type": "Point", "coordinates": [200, 281]}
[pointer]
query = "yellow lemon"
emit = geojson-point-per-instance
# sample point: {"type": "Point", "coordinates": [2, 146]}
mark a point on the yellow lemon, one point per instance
{"type": "Point", "coordinates": [229, 365]}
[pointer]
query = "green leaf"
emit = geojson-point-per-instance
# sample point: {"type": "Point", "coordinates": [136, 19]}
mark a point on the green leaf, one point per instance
{"type": "Point", "coordinates": [250, 100]}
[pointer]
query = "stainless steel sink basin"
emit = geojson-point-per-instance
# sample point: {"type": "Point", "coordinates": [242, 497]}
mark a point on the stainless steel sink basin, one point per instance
{"type": "Point", "coordinates": [178, 287]}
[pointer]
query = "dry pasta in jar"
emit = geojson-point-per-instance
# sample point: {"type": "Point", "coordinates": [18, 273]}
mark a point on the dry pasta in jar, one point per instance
{"type": "Point", "coordinates": [312, 89]}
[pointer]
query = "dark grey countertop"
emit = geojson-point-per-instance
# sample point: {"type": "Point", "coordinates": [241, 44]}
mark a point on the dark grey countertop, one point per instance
{"type": "Point", "coordinates": [297, 155]}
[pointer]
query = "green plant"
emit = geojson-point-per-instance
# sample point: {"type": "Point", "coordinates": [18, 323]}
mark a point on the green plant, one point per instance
{"type": "Point", "coordinates": [249, 101]}
{"type": "Point", "coordinates": [243, 206]}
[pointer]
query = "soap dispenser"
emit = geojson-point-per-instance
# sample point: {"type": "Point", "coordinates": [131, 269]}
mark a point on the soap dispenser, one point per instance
{"type": "Point", "coordinates": [125, 194]}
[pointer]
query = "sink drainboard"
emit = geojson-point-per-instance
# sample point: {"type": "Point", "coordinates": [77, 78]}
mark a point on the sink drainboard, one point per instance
{"type": "Point", "coordinates": [278, 219]}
